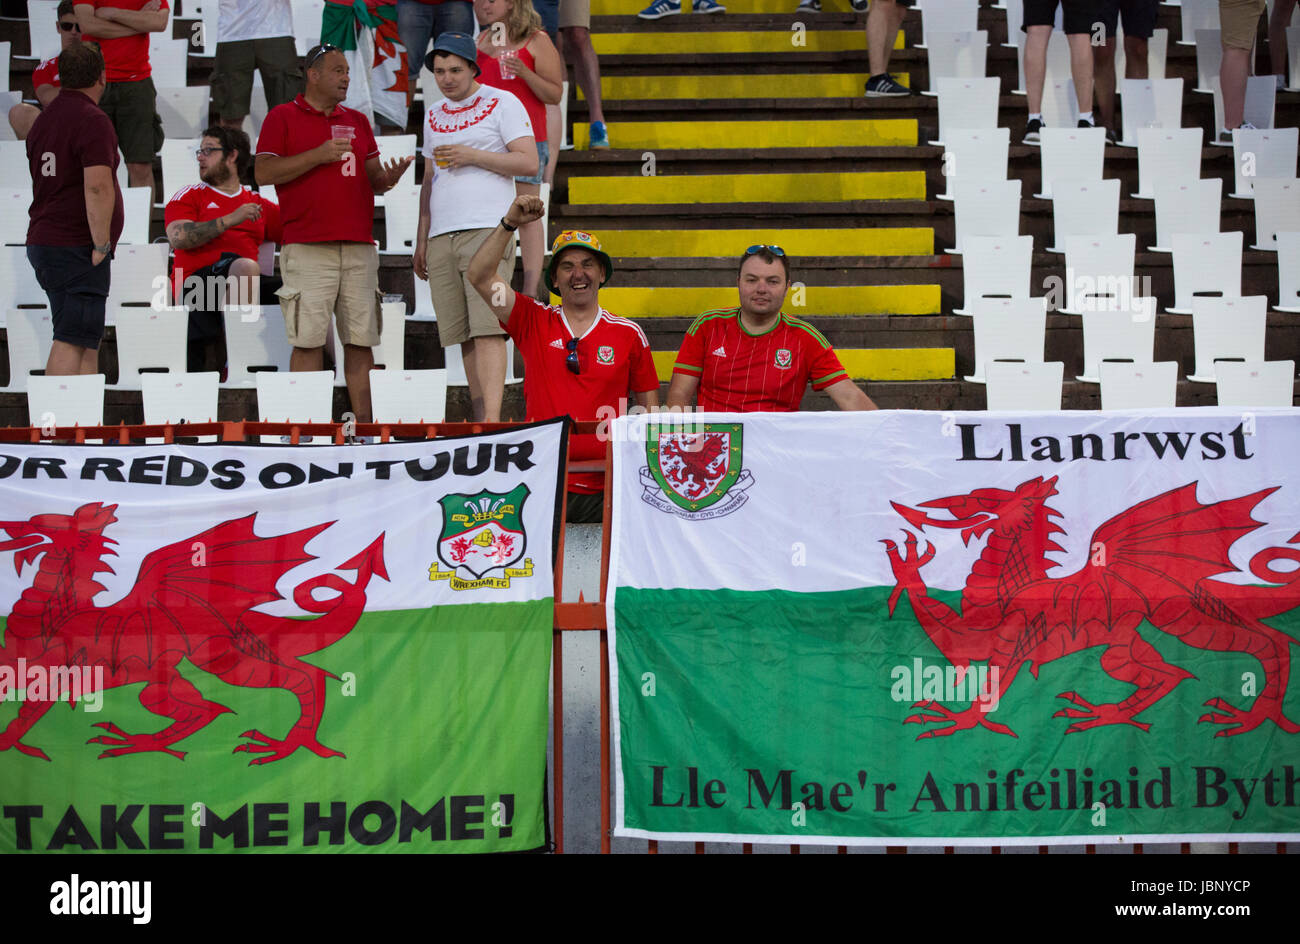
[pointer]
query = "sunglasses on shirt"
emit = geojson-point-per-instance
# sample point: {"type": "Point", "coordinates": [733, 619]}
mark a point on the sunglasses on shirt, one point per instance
{"type": "Point", "coordinates": [571, 360]}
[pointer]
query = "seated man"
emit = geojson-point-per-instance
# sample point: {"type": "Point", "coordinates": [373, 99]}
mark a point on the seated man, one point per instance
{"type": "Point", "coordinates": [45, 78]}
{"type": "Point", "coordinates": [755, 357]}
{"type": "Point", "coordinates": [578, 358]}
{"type": "Point", "coordinates": [217, 227]}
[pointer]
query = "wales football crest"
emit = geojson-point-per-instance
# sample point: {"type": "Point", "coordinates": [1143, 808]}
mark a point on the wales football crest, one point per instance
{"type": "Point", "coordinates": [481, 534]}
{"type": "Point", "coordinates": [698, 474]}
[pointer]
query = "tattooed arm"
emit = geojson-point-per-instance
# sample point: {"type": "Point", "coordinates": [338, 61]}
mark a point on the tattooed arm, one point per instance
{"type": "Point", "coordinates": [188, 234]}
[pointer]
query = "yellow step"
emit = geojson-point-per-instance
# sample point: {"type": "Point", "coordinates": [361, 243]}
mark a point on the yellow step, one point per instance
{"type": "Point", "coordinates": [810, 301]}
{"type": "Point", "coordinates": [863, 132]}
{"type": "Point", "coordinates": [711, 243]}
{"type": "Point", "coordinates": [905, 363]}
{"type": "Point", "coordinates": [828, 85]}
{"type": "Point", "coordinates": [747, 41]}
{"type": "Point", "coordinates": [787, 7]}
{"type": "Point", "coordinates": [750, 188]}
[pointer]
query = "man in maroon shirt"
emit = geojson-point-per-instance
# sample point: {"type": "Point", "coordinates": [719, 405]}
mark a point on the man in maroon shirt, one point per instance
{"type": "Point", "coordinates": [76, 213]}
{"type": "Point", "coordinates": [756, 357]}
{"type": "Point", "coordinates": [45, 77]}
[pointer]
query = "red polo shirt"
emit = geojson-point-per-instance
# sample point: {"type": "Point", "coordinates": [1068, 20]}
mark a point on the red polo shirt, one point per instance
{"type": "Point", "coordinates": [126, 58]}
{"type": "Point", "coordinates": [331, 202]}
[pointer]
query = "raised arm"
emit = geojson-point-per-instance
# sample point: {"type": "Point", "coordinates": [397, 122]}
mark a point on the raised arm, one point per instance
{"type": "Point", "coordinates": [482, 272]}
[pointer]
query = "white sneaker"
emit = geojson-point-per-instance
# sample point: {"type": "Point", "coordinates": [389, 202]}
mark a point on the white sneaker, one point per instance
{"type": "Point", "coordinates": [809, 6]}
{"type": "Point", "coordinates": [660, 9]}
{"type": "Point", "coordinates": [707, 6]}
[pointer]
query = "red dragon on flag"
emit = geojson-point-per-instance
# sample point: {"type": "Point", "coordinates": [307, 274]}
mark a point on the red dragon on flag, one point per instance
{"type": "Point", "coordinates": [1155, 562]}
{"type": "Point", "coordinates": [183, 606]}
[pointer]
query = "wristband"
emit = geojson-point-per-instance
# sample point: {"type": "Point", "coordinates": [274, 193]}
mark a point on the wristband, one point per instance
{"type": "Point", "coordinates": [105, 249]}
{"type": "Point", "coordinates": [506, 226]}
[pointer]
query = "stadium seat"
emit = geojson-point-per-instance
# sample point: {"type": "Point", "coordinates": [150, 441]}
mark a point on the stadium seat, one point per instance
{"type": "Point", "coordinates": [184, 111]}
{"type": "Point", "coordinates": [957, 55]}
{"type": "Point", "coordinates": [1125, 332]}
{"type": "Point", "coordinates": [44, 38]}
{"type": "Point", "coordinates": [1197, 15]}
{"type": "Point", "coordinates": [179, 165]}
{"type": "Point", "coordinates": [1227, 328]}
{"type": "Point", "coordinates": [1205, 263]}
{"type": "Point", "coordinates": [1024, 388]}
{"type": "Point", "coordinates": [994, 266]}
{"type": "Point", "coordinates": [7, 101]}
{"type": "Point", "coordinates": [389, 353]}
{"type": "Point", "coordinates": [1070, 154]}
{"type": "Point", "coordinates": [946, 16]}
{"type": "Point", "coordinates": [14, 205]}
{"type": "Point", "coordinates": [985, 208]}
{"type": "Point", "coordinates": [456, 365]}
{"type": "Point", "coordinates": [398, 145]}
{"type": "Point", "coordinates": [1058, 64]}
{"type": "Point", "coordinates": [1260, 101]}
{"type": "Point", "coordinates": [1277, 209]}
{"type": "Point", "coordinates": [1186, 207]}
{"type": "Point", "coordinates": [1138, 386]}
{"type": "Point", "coordinates": [1288, 272]}
{"type": "Point", "coordinates": [66, 401]}
{"type": "Point", "coordinates": [137, 204]}
{"type": "Point", "coordinates": [1262, 152]}
{"type": "Point", "coordinates": [1008, 329]}
{"type": "Point", "coordinates": [967, 103]}
{"type": "Point", "coordinates": [1015, 16]}
{"type": "Point", "coordinates": [180, 398]}
{"type": "Point", "coordinates": [1209, 58]}
{"type": "Point", "coordinates": [1098, 272]}
{"type": "Point", "coordinates": [1293, 57]}
{"type": "Point", "coordinates": [408, 396]}
{"type": "Point", "coordinates": [1167, 155]}
{"type": "Point", "coordinates": [268, 191]}
{"type": "Point", "coordinates": [139, 276]}
{"type": "Point", "coordinates": [30, 333]}
{"type": "Point", "coordinates": [401, 220]}
{"type": "Point", "coordinates": [149, 339]}
{"type": "Point", "coordinates": [255, 338]}
{"type": "Point", "coordinates": [307, 16]}
{"type": "Point", "coordinates": [1150, 103]}
{"type": "Point", "coordinates": [14, 169]}
{"type": "Point", "coordinates": [974, 154]}
{"type": "Point", "coordinates": [168, 59]}
{"type": "Point", "coordinates": [1083, 208]}
{"type": "Point", "coordinates": [305, 396]}
{"type": "Point", "coordinates": [1262, 384]}
{"type": "Point", "coordinates": [18, 285]}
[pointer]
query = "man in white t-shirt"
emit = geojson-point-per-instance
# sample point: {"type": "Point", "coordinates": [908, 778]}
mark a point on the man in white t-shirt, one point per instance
{"type": "Point", "coordinates": [253, 34]}
{"type": "Point", "coordinates": [476, 141]}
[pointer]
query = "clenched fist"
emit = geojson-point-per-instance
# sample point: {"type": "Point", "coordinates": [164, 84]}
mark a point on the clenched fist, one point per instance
{"type": "Point", "coordinates": [525, 209]}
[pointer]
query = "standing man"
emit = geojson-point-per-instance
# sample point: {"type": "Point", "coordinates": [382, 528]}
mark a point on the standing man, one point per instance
{"type": "Point", "coordinates": [421, 21]}
{"type": "Point", "coordinates": [575, 33]}
{"type": "Point", "coordinates": [579, 360]}
{"type": "Point", "coordinates": [884, 20]}
{"type": "Point", "coordinates": [122, 28]}
{"type": "Point", "coordinates": [323, 161]}
{"type": "Point", "coordinates": [45, 78]}
{"type": "Point", "coordinates": [756, 358]}
{"type": "Point", "coordinates": [1139, 25]}
{"type": "Point", "coordinates": [253, 34]}
{"type": "Point", "coordinates": [1040, 17]}
{"type": "Point", "coordinates": [1238, 21]}
{"type": "Point", "coordinates": [76, 214]}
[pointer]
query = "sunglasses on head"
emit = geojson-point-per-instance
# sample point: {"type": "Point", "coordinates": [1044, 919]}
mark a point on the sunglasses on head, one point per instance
{"type": "Point", "coordinates": [571, 360]}
{"type": "Point", "coordinates": [774, 250]}
{"type": "Point", "coordinates": [69, 25]}
{"type": "Point", "coordinates": [320, 51]}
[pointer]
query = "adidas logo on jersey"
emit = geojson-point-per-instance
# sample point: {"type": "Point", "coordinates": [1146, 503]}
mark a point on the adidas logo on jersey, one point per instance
{"type": "Point", "coordinates": [721, 351]}
{"type": "Point", "coordinates": [213, 206]}
{"type": "Point", "coordinates": [558, 343]}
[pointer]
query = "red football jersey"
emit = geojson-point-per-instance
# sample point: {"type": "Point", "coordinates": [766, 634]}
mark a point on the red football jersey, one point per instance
{"type": "Point", "coordinates": [613, 359]}
{"type": "Point", "coordinates": [741, 372]}
{"type": "Point", "coordinates": [47, 73]}
{"type": "Point", "coordinates": [126, 58]}
{"type": "Point", "coordinates": [202, 202]}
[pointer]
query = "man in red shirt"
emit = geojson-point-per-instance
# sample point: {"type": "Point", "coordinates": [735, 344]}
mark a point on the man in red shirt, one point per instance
{"type": "Point", "coordinates": [756, 357]}
{"type": "Point", "coordinates": [324, 163]}
{"type": "Point", "coordinates": [122, 28]}
{"type": "Point", "coordinates": [578, 358]}
{"type": "Point", "coordinates": [45, 78]}
{"type": "Point", "coordinates": [217, 228]}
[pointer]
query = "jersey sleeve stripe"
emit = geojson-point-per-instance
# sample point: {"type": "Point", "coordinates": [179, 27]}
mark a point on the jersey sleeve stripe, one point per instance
{"type": "Point", "coordinates": [820, 383]}
{"type": "Point", "coordinates": [680, 368]}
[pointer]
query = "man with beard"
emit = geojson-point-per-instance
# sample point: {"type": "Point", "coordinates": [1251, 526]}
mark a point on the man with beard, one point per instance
{"type": "Point", "coordinates": [216, 228]}
{"type": "Point", "coordinates": [756, 357]}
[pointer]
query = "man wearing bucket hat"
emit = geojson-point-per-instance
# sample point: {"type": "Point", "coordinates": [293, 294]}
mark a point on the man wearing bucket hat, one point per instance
{"type": "Point", "coordinates": [476, 141]}
{"type": "Point", "coordinates": [579, 360]}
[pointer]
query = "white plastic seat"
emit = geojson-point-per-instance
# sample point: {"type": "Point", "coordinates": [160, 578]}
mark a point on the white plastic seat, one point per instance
{"type": "Point", "coordinates": [1150, 103]}
{"type": "Point", "coordinates": [1008, 329]}
{"type": "Point", "coordinates": [1197, 15]}
{"type": "Point", "coordinates": [1099, 272]}
{"type": "Point", "coordinates": [1124, 332]}
{"type": "Point", "coordinates": [1209, 58]}
{"type": "Point", "coordinates": [408, 396]}
{"type": "Point", "coordinates": [455, 365]}
{"type": "Point", "coordinates": [307, 15]}
{"type": "Point", "coordinates": [1265, 384]}
{"type": "Point", "coordinates": [268, 192]}
{"type": "Point", "coordinates": [967, 103]}
{"type": "Point", "coordinates": [985, 208]}
{"type": "Point", "coordinates": [42, 15]}
{"type": "Point", "coordinates": [401, 220]}
{"type": "Point", "coordinates": [995, 266]}
{"type": "Point", "coordinates": [1262, 152]}
{"type": "Point", "coordinates": [1171, 155]}
{"type": "Point", "coordinates": [1261, 93]}
{"type": "Point", "coordinates": [1277, 209]}
{"type": "Point", "coordinates": [179, 165]}
{"type": "Point", "coordinates": [31, 333]}
{"type": "Point", "coordinates": [18, 285]}
{"type": "Point", "coordinates": [1033, 387]}
{"type": "Point", "coordinates": [940, 16]}
{"type": "Point", "coordinates": [1015, 17]}
{"type": "Point", "coordinates": [137, 204]}
{"type": "Point", "coordinates": [1060, 104]}
{"type": "Point", "coordinates": [1070, 154]}
{"type": "Point", "coordinates": [957, 55]}
{"type": "Point", "coordinates": [14, 205]}
{"type": "Point", "coordinates": [149, 339]}
{"type": "Point", "coordinates": [15, 171]}
{"type": "Point", "coordinates": [1288, 272]}
{"type": "Point", "coordinates": [1136, 386]}
{"type": "Point", "coordinates": [1293, 57]}
{"type": "Point", "coordinates": [1191, 206]}
{"type": "Point", "coordinates": [168, 60]}
{"type": "Point", "coordinates": [389, 353]}
{"type": "Point", "coordinates": [184, 111]}
{"type": "Point", "coordinates": [1083, 208]}
{"type": "Point", "coordinates": [304, 396]}
{"type": "Point", "coordinates": [254, 338]}
{"type": "Point", "coordinates": [974, 154]}
{"type": "Point", "coordinates": [1205, 262]}
{"type": "Point", "coordinates": [76, 400]}
{"type": "Point", "coordinates": [180, 398]}
{"type": "Point", "coordinates": [138, 276]}
{"type": "Point", "coordinates": [1227, 328]}
{"type": "Point", "coordinates": [7, 100]}
{"type": "Point", "coordinates": [397, 146]}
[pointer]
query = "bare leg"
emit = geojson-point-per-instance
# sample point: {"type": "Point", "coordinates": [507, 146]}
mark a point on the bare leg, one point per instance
{"type": "Point", "coordinates": [485, 370]}
{"type": "Point", "coordinates": [586, 66]}
{"type": "Point", "coordinates": [1232, 79]}
{"type": "Point", "coordinates": [21, 117]}
{"type": "Point", "coordinates": [89, 361]}
{"type": "Point", "coordinates": [1277, 24]}
{"type": "Point", "coordinates": [141, 175]}
{"type": "Point", "coordinates": [357, 364]}
{"type": "Point", "coordinates": [307, 358]}
{"type": "Point", "coordinates": [67, 360]}
{"type": "Point", "coordinates": [1036, 38]}
{"type": "Point", "coordinates": [242, 287]}
{"type": "Point", "coordinates": [1103, 73]}
{"type": "Point", "coordinates": [883, 21]}
{"type": "Point", "coordinates": [1135, 58]}
{"type": "Point", "coordinates": [1081, 68]}
{"type": "Point", "coordinates": [532, 239]}
{"type": "Point", "coordinates": [554, 136]}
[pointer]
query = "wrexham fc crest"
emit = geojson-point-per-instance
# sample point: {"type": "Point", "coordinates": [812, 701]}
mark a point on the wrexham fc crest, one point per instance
{"type": "Point", "coordinates": [696, 475]}
{"type": "Point", "coordinates": [482, 534]}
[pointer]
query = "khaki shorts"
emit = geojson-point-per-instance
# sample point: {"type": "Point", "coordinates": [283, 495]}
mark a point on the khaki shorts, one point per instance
{"type": "Point", "coordinates": [232, 74]}
{"type": "Point", "coordinates": [575, 13]}
{"type": "Point", "coordinates": [1238, 21]}
{"type": "Point", "coordinates": [132, 107]}
{"type": "Point", "coordinates": [324, 279]}
{"type": "Point", "coordinates": [462, 312]}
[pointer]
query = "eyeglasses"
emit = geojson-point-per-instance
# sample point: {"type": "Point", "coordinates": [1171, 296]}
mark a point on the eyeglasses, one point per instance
{"type": "Point", "coordinates": [571, 361]}
{"type": "Point", "coordinates": [320, 51]}
{"type": "Point", "coordinates": [69, 25]}
{"type": "Point", "coordinates": [774, 250]}
{"type": "Point", "coordinates": [204, 152]}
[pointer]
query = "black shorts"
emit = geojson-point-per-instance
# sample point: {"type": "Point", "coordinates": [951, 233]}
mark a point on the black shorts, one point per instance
{"type": "Point", "coordinates": [77, 289]}
{"type": "Point", "coordinates": [1080, 15]}
{"type": "Point", "coordinates": [1139, 17]}
{"type": "Point", "coordinates": [206, 322]}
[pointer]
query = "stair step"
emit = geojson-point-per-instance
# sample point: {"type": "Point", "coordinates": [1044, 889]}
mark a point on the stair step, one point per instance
{"type": "Point", "coordinates": [806, 301]}
{"type": "Point", "coordinates": [712, 243]}
{"type": "Point", "coordinates": [643, 135]}
{"type": "Point", "coordinates": [904, 363]}
{"type": "Point", "coordinates": [748, 188]}
{"type": "Point", "coordinates": [773, 85]}
{"type": "Point", "coordinates": [780, 40]}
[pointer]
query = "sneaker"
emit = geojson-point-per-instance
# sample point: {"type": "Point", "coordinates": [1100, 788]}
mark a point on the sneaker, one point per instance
{"type": "Point", "coordinates": [1111, 137]}
{"type": "Point", "coordinates": [659, 9]}
{"type": "Point", "coordinates": [707, 6]}
{"type": "Point", "coordinates": [1085, 123]}
{"type": "Point", "coordinates": [1032, 135]}
{"type": "Point", "coordinates": [812, 6]}
{"type": "Point", "coordinates": [881, 86]}
{"type": "Point", "coordinates": [859, 5]}
{"type": "Point", "coordinates": [599, 136]}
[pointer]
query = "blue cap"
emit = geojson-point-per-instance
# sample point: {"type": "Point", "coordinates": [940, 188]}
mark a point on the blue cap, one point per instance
{"type": "Point", "coordinates": [458, 44]}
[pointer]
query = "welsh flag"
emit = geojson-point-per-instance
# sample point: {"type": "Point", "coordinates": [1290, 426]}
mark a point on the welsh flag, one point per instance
{"type": "Point", "coordinates": [246, 648]}
{"type": "Point", "coordinates": [366, 30]}
{"type": "Point", "coordinates": [956, 629]}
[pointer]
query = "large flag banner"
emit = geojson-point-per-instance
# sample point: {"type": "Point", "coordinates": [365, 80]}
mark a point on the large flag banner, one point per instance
{"type": "Point", "coordinates": [957, 629]}
{"type": "Point", "coordinates": [366, 31]}
{"type": "Point", "coordinates": [250, 648]}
